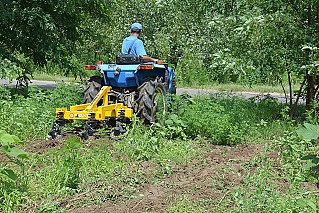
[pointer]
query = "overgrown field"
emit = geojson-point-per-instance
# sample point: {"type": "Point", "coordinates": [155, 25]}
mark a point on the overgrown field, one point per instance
{"type": "Point", "coordinates": [212, 154]}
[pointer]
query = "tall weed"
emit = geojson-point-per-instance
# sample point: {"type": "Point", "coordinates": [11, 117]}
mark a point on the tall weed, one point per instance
{"type": "Point", "coordinates": [62, 173]}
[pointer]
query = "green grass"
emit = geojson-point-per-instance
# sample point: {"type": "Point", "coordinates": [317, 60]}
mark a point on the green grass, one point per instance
{"type": "Point", "coordinates": [184, 204]}
{"type": "Point", "coordinates": [234, 87]}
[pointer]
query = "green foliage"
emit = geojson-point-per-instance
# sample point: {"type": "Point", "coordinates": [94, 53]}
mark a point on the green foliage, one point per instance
{"type": "Point", "coordinates": [64, 174]}
{"type": "Point", "coordinates": [44, 30]}
{"type": "Point", "coordinates": [112, 169]}
{"type": "Point", "coordinates": [141, 143]}
{"type": "Point", "coordinates": [231, 41]}
{"type": "Point", "coordinates": [9, 69]}
{"type": "Point", "coordinates": [165, 142]}
{"type": "Point", "coordinates": [299, 150]}
{"type": "Point", "coordinates": [226, 120]}
{"type": "Point", "coordinates": [12, 178]}
{"type": "Point", "coordinates": [310, 132]}
{"type": "Point", "coordinates": [30, 113]}
{"type": "Point", "coordinates": [74, 168]}
{"type": "Point", "coordinates": [172, 128]}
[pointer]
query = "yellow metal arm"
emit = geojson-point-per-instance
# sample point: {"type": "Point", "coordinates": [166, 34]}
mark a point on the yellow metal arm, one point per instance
{"type": "Point", "coordinates": [86, 111]}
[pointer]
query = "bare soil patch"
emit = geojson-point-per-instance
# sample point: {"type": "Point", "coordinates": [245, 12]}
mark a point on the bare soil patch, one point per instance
{"type": "Point", "coordinates": [209, 178]}
{"type": "Point", "coordinates": [43, 146]}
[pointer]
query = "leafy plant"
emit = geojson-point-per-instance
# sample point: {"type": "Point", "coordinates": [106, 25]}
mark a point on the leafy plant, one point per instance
{"type": "Point", "coordinates": [12, 177]}
{"type": "Point", "coordinates": [310, 132]}
{"type": "Point", "coordinates": [173, 127]}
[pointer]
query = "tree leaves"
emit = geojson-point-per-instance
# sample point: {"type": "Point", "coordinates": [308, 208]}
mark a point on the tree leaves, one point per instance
{"type": "Point", "coordinates": [41, 29]}
{"type": "Point", "coordinates": [264, 37]}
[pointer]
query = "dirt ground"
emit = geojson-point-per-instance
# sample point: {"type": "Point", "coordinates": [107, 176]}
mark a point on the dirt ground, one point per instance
{"type": "Point", "coordinates": [210, 179]}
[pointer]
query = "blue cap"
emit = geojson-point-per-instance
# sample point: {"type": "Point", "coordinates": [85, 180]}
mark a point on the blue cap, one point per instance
{"type": "Point", "coordinates": [136, 27]}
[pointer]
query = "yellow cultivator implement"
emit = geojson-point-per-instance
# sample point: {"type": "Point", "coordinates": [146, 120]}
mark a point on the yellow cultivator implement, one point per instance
{"type": "Point", "coordinates": [96, 114]}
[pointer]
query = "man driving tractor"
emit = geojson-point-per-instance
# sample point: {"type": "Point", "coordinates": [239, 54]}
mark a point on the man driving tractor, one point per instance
{"type": "Point", "coordinates": [133, 45]}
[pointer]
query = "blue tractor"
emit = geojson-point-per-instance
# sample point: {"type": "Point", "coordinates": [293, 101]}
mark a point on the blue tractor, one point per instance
{"type": "Point", "coordinates": [124, 88]}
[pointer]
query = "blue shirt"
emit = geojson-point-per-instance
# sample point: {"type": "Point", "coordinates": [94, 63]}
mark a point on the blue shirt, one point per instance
{"type": "Point", "coordinates": [136, 49]}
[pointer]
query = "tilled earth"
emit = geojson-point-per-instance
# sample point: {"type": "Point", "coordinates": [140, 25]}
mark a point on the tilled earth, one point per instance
{"type": "Point", "coordinates": [209, 178]}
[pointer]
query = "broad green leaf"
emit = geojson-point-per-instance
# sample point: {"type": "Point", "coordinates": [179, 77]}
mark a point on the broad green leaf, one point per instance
{"type": "Point", "coordinates": [17, 152]}
{"type": "Point", "coordinates": [7, 139]}
{"type": "Point", "coordinates": [309, 165]}
{"type": "Point", "coordinates": [308, 132]}
{"type": "Point", "coordinates": [174, 117]}
{"type": "Point", "coordinates": [9, 173]}
{"type": "Point", "coordinates": [309, 157]}
{"type": "Point", "coordinates": [5, 148]}
{"type": "Point", "coordinates": [168, 122]}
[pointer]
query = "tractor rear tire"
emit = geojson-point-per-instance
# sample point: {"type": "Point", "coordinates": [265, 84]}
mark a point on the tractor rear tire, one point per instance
{"type": "Point", "coordinates": [151, 103]}
{"type": "Point", "coordinates": [92, 88]}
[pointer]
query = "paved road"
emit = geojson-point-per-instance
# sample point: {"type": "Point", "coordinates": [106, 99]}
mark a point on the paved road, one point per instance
{"type": "Point", "coordinates": [192, 92]}
{"type": "Point", "coordinates": [41, 84]}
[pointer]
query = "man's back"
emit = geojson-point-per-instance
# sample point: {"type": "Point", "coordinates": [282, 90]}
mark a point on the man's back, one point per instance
{"type": "Point", "coordinates": [135, 44]}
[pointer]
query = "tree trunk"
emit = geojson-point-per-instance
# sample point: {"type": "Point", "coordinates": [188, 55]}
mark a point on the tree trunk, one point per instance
{"type": "Point", "coordinates": [310, 91]}
{"type": "Point", "coordinates": [290, 89]}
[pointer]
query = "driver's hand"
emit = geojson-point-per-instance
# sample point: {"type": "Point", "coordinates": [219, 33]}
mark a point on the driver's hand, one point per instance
{"type": "Point", "coordinates": [157, 61]}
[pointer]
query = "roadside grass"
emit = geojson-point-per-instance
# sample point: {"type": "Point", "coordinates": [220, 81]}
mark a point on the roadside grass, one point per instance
{"type": "Point", "coordinates": [51, 77]}
{"type": "Point", "coordinates": [237, 87]}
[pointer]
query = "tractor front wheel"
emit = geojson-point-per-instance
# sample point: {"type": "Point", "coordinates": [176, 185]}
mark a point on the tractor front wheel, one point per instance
{"type": "Point", "coordinates": [151, 103]}
{"type": "Point", "coordinates": [92, 88]}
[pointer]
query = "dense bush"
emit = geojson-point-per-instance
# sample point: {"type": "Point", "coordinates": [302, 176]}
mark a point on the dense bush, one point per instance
{"type": "Point", "coordinates": [30, 113]}
{"type": "Point", "coordinates": [228, 120]}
